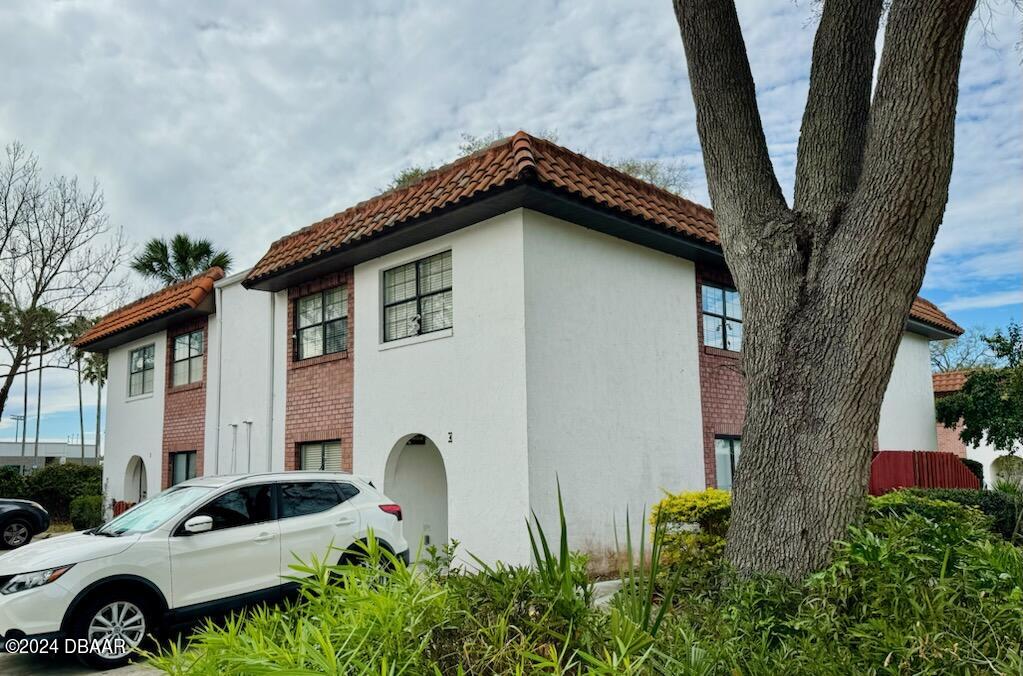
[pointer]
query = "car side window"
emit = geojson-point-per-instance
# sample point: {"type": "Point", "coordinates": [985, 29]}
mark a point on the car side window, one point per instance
{"type": "Point", "coordinates": [241, 507]}
{"type": "Point", "coordinates": [308, 497]}
{"type": "Point", "coordinates": [348, 491]}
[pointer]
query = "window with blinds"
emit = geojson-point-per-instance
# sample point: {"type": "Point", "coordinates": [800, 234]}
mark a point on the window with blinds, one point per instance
{"type": "Point", "coordinates": [188, 350]}
{"type": "Point", "coordinates": [321, 455]}
{"type": "Point", "coordinates": [141, 368]}
{"type": "Point", "coordinates": [321, 323]}
{"type": "Point", "coordinates": [417, 297]}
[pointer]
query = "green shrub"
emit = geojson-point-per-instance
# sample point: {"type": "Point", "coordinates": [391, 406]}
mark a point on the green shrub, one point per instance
{"type": "Point", "coordinates": [55, 486]}
{"type": "Point", "coordinates": [695, 524]}
{"type": "Point", "coordinates": [87, 511]}
{"type": "Point", "coordinates": [940, 511]}
{"type": "Point", "coordinates": [976, 468]}
{"type": "Point", "coordinates": [1001, 507]}
{"type": "Point", "coordinates": [12, 483]}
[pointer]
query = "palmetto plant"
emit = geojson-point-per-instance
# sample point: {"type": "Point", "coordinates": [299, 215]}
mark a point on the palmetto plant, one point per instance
{"type": "Point", "coordinates": [180, 258]}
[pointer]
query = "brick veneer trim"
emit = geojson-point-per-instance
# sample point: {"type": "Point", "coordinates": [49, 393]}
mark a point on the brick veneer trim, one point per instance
{"type": "Point", "coordinates": [320, 390]}
{"type": "Point", "coordinates": [184, 406]}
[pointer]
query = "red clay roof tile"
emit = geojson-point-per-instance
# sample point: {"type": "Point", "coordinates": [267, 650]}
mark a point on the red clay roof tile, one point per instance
{"type": "Point", "coordinates": [184, 295]}
{"type": "Point", "coordinates": [949, 381]}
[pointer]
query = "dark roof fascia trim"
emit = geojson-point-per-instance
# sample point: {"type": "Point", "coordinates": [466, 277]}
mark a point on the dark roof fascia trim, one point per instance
{"type": "Point", "coordinates": [929, 331]}
{"type": "Point", "coordinates": [522, 195]}
{"type": "Point", "coordinates": [160, 323]}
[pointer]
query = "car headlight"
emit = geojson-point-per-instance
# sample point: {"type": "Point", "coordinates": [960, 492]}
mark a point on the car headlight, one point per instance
{"type": "Point", "coordinates": [23, 581]}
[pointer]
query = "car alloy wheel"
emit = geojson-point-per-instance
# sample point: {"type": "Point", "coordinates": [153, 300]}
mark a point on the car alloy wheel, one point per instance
{"type": "Point", "coordinates": [120, 624]}
{"type": "Point", "coordinates": [15, 534]}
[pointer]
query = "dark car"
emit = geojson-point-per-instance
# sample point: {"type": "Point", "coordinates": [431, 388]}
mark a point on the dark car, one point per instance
{"type": "Point", "coordinates": [20, 521]}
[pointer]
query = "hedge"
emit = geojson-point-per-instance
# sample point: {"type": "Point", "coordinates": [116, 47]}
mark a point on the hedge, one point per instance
{"type": "Point", "coordinates": [1000, 506]}
{"type": "Point", "coordinates": [87, 511]}
{"type": "Point", "coordinates": [55, 486]}
{"type": "Point", "coordinates": [12, 483]}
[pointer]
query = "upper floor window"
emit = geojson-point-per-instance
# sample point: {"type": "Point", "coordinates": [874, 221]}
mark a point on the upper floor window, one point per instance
{"type": "Point", "coordinates": [188, 349]}
{"type": "Point", "coordinates": [141, 367]}
{"type": "Point", "coordinates": [417, 297]}
{"type": "Point", "coordinates": [324, 455]}
{"type": "Point", "coordinates": [726, 456]}
{"type": "Point", "coordinates": [722, 318]}
{"type": "Point", "coordinates": [321, 320]}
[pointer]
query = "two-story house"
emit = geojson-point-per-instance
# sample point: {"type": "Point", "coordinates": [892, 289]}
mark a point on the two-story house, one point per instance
{"type": "Point", "coordinates": [521, 316]}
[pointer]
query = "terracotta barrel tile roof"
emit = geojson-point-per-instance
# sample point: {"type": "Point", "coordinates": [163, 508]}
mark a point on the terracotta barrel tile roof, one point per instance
{"type": "Point", "coordinates": [949, 381]}
{"type": "Point", "coordinates": [927, 312]}
{"type": "Point", "coordinates": [184, 295]}
{"type": "Point", "coordinates": [516, 159]}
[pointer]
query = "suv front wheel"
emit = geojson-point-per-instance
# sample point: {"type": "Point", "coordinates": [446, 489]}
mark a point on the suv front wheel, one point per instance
{"type": "Point", "coordinates": [115, 627]}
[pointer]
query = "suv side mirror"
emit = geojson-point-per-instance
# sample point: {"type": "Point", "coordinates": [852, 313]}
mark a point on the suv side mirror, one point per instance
{"type": "Point", "coordinates": [199, 524]}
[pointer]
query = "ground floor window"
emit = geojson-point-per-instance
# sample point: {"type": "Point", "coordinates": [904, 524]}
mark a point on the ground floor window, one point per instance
{"type": "Point", "coordinates": [182, 466]}
{"type": "Point", "coordinates": [325, 455]}
{"type": "Point", "coordinates": [726, 453]}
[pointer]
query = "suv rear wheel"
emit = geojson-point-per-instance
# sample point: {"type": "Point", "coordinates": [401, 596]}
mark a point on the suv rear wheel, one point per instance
{"type": "Point", "coordinates": [115, 627]}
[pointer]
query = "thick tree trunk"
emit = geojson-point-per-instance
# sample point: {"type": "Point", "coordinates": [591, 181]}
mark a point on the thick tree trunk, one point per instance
{"type": "Point", "coordinates": [826, 286]}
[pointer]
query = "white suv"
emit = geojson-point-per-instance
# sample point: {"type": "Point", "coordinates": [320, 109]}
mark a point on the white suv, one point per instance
{"type": "Point", "coordinates": [203, 546]}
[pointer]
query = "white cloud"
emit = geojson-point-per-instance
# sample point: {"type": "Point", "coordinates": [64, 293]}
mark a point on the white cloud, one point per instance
{"type": "Point", "coordinates": [997, 299]}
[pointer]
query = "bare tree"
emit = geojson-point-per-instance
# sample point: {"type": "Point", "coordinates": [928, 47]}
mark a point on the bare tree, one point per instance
{"type": "Point", "coordinates": [58, 253]}
{"type": "Point", "coordinates": [968, 351]}
{"type": "Point", "coordinates": [827, 282]}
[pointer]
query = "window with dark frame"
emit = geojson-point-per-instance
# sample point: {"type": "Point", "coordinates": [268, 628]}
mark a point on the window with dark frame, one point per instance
{"type": "Point", "coordinates": [722, 317]}
{"type": "Point", "coordinates": [182, 466]}
{"type": "Point", "coordinates": [417, 297]}
{"type": "Point", "coordinates": [187, 358]}
{"type": "Point", "coordinates": [320, 455]}
{"type": "Point", "coordinates": [321, 323]}
{"type": "Point", "coordinates": [141, 368]}
{"type": "Point", "coordinates": [726, 456]}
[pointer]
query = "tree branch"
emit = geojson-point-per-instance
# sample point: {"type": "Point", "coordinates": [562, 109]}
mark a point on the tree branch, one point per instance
{"type": "Point", "coordinates": [834, 126]}
{"type": "Point", "coordinates": [743, 188]}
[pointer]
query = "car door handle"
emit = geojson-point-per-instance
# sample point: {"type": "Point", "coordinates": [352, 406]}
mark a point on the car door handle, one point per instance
{"type": "Point", "coordinates": [344, 521]}
{"type": "Point", "coordinates": [263, 537]}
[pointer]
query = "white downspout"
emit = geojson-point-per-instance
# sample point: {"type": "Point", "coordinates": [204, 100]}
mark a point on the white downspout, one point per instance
{"type": "Point", "coordinates": [220, 376]}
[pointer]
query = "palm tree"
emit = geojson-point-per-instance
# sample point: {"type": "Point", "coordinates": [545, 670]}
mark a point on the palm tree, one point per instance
{"type": "Point", "coordinates": [179, 259]}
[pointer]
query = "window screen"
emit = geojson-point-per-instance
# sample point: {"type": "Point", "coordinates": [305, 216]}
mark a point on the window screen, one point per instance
{"type": "Point", "coordinates": [722, 318]}
{"type": "Point", "coordinates": [325, 455]}
{"type": "Point", "coordinates": [188, 350]}
{"type": "Point", "coordinates": [141, 367]}
{"type": "Point", "coordinates": [321, 323]}
{"type": "Point", "coordinates": [417, 297]}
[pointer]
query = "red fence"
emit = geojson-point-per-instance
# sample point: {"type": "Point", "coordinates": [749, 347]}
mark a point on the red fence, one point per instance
{"type": "Point", "coordinates": [925, 469]}
{"type": "Point", "coordinates": [122, 506]}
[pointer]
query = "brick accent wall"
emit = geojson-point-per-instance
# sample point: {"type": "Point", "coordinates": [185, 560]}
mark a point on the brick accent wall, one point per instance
{"type": "Point", "coordinates": [320, 389]}
{"type": "Point", "coordinates": [948, 438]}
{"type": "Point", "coordinates": [722, 391]}
{"type": "Point", "coordinates": [184, 407]}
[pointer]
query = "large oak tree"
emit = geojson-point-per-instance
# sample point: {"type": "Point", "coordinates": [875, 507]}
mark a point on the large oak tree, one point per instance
{"type": "Point", "coordinates": [826, 282]}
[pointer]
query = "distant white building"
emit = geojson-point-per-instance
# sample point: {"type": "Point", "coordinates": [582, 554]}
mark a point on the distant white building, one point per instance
{"type": "Point", "coordinates": [48, 452]}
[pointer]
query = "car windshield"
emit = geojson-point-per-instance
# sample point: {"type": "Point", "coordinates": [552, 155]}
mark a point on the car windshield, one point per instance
{"type": "Point", "coordinates": [154, 512]}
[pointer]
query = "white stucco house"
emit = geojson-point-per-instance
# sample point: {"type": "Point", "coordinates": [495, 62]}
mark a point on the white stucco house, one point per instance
{"type": "Point", "coordinates": [522, 316]}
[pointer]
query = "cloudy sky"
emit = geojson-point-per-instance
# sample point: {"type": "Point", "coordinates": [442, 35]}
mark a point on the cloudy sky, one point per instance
{"type": "Point", "coordinates": [242, 121]}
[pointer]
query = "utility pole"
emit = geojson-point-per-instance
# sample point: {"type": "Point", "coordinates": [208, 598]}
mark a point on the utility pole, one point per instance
{"type": "Point", "coordinates": [24, 413]}
{"type": "Point", "coordinates": [18, 419]}
{"type": "Point", "coordinates": [39, 410]}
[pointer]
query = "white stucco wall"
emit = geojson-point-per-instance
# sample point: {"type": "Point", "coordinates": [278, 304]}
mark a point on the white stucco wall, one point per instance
{"type": "Point", "coordinates": [907, 411]}
{"type": "Point", "coordinates": [134, 425]}
{"type": "Point", "coordinates": [245, 393]}
{"type": "Point", "coordinates": [464, 388]}
{"type": "Point", "coordinates": [613, 386]}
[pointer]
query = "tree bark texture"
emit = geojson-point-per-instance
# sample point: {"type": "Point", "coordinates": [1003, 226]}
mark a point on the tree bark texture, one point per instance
{"type": "Point", "coordinates": [826, 284]}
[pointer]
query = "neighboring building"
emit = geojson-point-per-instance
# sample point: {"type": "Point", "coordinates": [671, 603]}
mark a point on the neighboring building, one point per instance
{"type": "Point", "coordinates": [49, 452]}
{"type": "Point", "coordinates": [998, 465]}
{"type": "Point", "coordinates": [522, 317]}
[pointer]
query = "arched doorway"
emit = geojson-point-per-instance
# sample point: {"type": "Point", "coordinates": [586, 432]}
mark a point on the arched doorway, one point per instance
{"type": "Point", "coordinates": [416, 480]}
{"type": "Point", "coordinates": [1008, 469]}
{"type": "Point", "coordinates": [135, 481]}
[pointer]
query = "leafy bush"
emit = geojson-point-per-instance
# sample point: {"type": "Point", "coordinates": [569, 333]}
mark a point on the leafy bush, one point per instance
{"type": "Point", "coordinates": [12, 483]}
{"type": "Point", "coordinates": [55, 486]}
{"type": "Point", "coordinates": [87, 511]}
{"type": "Point", "coordinates": [1001, 507]}
{"type": "Point", "coordinates": [695, 524]}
